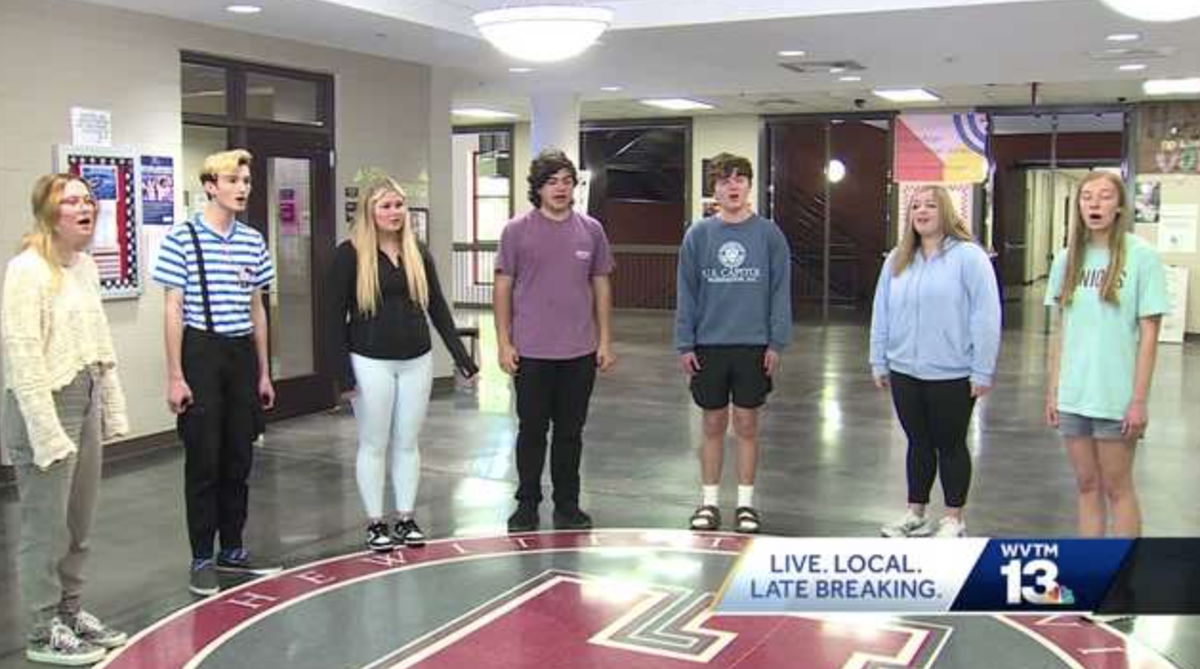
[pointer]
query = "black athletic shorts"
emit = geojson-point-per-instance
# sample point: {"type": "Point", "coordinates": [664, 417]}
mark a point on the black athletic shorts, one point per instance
{"type": "Point", "coordinates": [730, 371]}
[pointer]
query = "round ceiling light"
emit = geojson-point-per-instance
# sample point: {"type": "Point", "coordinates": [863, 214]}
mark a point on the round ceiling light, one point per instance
{"type": "Point", "coordinates": [543, 33]}
{"type": "Point", "coordinates": [1156, 10]}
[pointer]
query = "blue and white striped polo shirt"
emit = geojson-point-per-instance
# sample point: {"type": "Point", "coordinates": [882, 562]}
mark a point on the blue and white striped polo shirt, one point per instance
{"type": "Point", "coordinates": [235, 265]}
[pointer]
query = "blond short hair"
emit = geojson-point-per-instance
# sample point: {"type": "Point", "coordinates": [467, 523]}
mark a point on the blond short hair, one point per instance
{"type": "Point", "coordinates": [224, 162]}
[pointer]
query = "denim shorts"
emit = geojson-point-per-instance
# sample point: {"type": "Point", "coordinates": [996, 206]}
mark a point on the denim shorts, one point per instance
{"type": "Point", "coordinates": [1072, 425]}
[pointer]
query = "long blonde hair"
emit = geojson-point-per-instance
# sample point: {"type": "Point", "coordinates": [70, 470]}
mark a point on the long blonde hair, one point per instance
{"type": "Point", "coordinates": [365, 239]}
{"type": "Point", "coordinates": [1077, 243]}
{"type": "Point", "coordinates": [952, 226]}
{"type": "Point", "coordinates": [45, 201]}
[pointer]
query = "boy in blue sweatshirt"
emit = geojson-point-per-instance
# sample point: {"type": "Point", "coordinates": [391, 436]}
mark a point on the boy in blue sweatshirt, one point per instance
{"type": "Point", "coordinates": [733, 318]}
{"type": "Point", "coordinates": [935, 337]}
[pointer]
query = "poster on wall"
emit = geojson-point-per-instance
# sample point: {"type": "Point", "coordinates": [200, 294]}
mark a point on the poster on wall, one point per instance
{"type": "Point", "coordinates": [1168, 139]}
{"type": "Point", "coordinates": [940, 148]}
{"type": "Point", "coordinates": [1177, 228]}
{"type": "Point", "coordinates": [1174, 322]}
{"type": "Point", "coordinates": [418, 218]}
{"type": "Point", "coordinates": [1146, 200]}
{"type": "Point", "coordinates": [158, 190]}
{"type": "Point", "coordinates": [91, 127]}
{"type": "Point", "coordinates": [289, 222]}
{"type": "Point", "coordinates": [113, 176]}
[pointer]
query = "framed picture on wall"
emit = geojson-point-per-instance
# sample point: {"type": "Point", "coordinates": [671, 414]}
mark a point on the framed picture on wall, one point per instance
{"type": "Point", "coordinates": [114, 176]}
{"type": "Point", "coordinates": [418, 217]}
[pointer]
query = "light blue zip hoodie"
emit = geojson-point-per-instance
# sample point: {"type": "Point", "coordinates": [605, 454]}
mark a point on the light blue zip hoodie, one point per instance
{"type": "Point", "coordinates": [940, 319]}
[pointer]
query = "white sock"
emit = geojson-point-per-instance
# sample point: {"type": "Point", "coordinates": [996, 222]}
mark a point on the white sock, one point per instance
{"type": "Point", "coordinates": [745, 495]}
{"type": "Point", "coordinates": [709, 495]}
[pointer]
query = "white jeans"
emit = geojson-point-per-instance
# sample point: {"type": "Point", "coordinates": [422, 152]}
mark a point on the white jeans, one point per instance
{"type": "Point", "coordinates": [390, 407]}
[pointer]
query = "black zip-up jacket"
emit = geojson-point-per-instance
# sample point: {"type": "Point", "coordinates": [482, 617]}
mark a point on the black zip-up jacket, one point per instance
{"type": "Point", "coordinates": [398, 330]}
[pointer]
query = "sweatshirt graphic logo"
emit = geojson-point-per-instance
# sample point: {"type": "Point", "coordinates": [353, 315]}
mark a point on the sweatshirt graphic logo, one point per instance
{"type": "Point", "coordinates": [731, 256]}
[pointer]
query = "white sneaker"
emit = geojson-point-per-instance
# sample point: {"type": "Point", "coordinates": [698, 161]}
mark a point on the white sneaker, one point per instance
{"type": "Point", "coordinates": [908, 525]}
{"type": "Point", "coordinates": [951, 528]}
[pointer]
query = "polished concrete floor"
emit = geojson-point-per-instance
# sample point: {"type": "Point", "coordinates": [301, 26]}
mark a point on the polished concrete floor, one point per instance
{"type": "Point", "coordinates": [832, 465]}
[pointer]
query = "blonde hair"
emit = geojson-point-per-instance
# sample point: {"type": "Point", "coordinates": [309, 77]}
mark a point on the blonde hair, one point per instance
{"type": "Point", "coordinates": [45, 201]}
{"type": "Point", "coordinates": [1077, 243]}
{"type": "Point", "coordinates": [224, 162]}
{"type": "Point", "coordinates": [952, 226]}
{"type": "Point", "coordinates": [365, 239]}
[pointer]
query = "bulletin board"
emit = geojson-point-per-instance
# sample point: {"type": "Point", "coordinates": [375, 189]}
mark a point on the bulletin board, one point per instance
{"type": "Point", "coordinates": [114, 176]}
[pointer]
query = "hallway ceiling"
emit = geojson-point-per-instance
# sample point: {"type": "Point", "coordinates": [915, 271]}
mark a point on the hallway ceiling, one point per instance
{"type": "Point", "coordinates": [971, 52]}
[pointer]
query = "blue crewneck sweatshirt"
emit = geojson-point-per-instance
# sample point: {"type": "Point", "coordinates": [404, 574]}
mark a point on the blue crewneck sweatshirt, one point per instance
{"type": "Point", "coordinates": [734, 285]}
{"type": "Point", "coordinates": [940, 319]}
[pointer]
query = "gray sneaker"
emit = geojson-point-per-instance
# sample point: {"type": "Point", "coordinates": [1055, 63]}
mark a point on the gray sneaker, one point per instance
{"type": "Point", "coordinates": [59, 645]}
{"type": "Point", "coordinates": [89, 628]}
{"type": "Point", "coordinates": [203, 578]}
{"type": "Point", "coordinates": [909, 525]}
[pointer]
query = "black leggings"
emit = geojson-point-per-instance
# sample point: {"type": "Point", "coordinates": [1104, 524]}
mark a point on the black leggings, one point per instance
{"type": "Point", "coordinates": [935, 416]}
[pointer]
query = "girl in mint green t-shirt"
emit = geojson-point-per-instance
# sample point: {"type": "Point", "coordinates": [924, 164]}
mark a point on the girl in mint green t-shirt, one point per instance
{"type": "Point", "coordinates": [1110, 289]}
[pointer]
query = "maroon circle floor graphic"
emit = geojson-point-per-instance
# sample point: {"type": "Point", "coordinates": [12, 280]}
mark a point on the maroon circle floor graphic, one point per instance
{"type": "Point", "coordinates": [621, 599]}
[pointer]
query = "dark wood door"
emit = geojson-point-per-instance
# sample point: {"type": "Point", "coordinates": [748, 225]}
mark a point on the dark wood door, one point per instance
{"type": "Point", "coordinates": [292, 206]}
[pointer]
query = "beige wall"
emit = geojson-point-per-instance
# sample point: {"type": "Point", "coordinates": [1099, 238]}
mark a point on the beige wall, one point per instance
{"type": "Point", "coordinates": [128, 63]}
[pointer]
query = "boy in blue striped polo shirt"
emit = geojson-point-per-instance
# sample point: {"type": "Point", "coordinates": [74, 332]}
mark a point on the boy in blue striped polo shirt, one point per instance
{"type": "Point", "coordinates": [215, 269]}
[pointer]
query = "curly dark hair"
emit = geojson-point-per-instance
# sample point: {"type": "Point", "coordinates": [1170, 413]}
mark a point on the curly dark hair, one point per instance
{"type": "Point", "coordinates": [545, 165]}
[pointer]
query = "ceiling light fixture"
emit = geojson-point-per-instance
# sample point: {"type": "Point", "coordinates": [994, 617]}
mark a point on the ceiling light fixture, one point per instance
{"type": "Point", "coordinates": [543, 33]}
{"type": "Point", "coordinates": [850, 77]}
{"type": "Point", "coordinates": [1156, 10]}
{"type": "Point", "coordinates": [1132, 67]}
{"type": "Point", "coordinates": [676, 104]}
{"type": "Point", "coordinates": [477, 112]}
{"type": "Point", "coordinates": [520, 70]}
{"type": "Point", "coordinates": [243, 9]}
{"type": "Point", "coordinates": [793, 54]}
{"type": "Point", "coordinates": [1189, 86]}
{"type": "Point", "coordinates": [906, 94]}
{"type": "Point", "coordinates": [610, 89]}
{"type": "Point", "coordinates": [1123, 37]}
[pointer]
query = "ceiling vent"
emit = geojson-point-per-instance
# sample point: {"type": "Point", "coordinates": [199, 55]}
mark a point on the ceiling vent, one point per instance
{"type": "Point", "coordinates": [1127, 53]}
{"type": "Point", "coordinates": [822, 66]}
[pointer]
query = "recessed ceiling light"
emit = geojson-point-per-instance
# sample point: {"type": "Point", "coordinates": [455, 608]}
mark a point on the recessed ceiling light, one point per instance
{"type": "Point", "coordinates": [850, 77]}
{"type": "Point", "coordinates": [243, 9]}
{"type": "Point", "coordinates": [676, 104]}
{"type": "Point", "coordinates": [796, 53]}
{"type": "Point", "coordinates": [1171, 86]}
{"type": "Point", "coordinates": [1132, 67]}
{"type": "Point", "coordinates": [837, 70]}
{"type": "Point", "coordinates": [477, 112]}
{"type": "Point", "coordinates": [1123, 37]}
{"type": "Point", "coordinates": [906, 94]}
{"type": "Point", "coordinates": [520, 70]}
{"type": "Point", "coordinates": [610, 89]}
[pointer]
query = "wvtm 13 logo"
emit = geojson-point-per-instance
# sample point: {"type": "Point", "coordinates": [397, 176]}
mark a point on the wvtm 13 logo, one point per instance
{"type": "Point", "coordinates": [1031, 574]}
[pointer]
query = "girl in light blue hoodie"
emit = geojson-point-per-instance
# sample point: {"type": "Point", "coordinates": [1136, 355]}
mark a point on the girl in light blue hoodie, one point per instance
{"type": "Point", "coordinates": [935, 337]}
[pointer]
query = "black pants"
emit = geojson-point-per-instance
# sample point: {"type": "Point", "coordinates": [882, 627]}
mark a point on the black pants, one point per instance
{"type": "Point", "coordinates": [552, 391]}
{"type": "Point", "coordinates": [218, 431]}
{"type": "Point", "coordinates": [935, 416]}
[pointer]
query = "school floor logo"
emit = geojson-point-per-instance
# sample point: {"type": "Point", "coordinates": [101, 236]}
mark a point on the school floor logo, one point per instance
{"type": "Point", "coordinates": [620, 599]}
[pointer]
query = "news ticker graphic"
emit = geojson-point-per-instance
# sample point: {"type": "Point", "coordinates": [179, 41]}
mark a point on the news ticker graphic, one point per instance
{"type": "Point", "coordinates": [781, 575]}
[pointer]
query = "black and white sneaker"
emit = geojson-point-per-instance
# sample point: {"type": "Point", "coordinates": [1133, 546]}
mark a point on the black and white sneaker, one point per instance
{"type": "Point", "coordinates": [238, 561]}
{"type": "Point", "coordinates": [379, 539]}
{"type": "Point", "coordinates": [58, 644]}
{"type": "Point", "coordinates": [408, 533]}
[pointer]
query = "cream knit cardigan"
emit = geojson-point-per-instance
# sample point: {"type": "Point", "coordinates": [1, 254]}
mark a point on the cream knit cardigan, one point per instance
{"type": "Point", "coordinates": [49, 337]}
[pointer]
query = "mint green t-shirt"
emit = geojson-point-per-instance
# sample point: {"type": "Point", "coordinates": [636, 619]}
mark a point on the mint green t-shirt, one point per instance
{"type": "Point", "coordinates": [1100, 340]}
